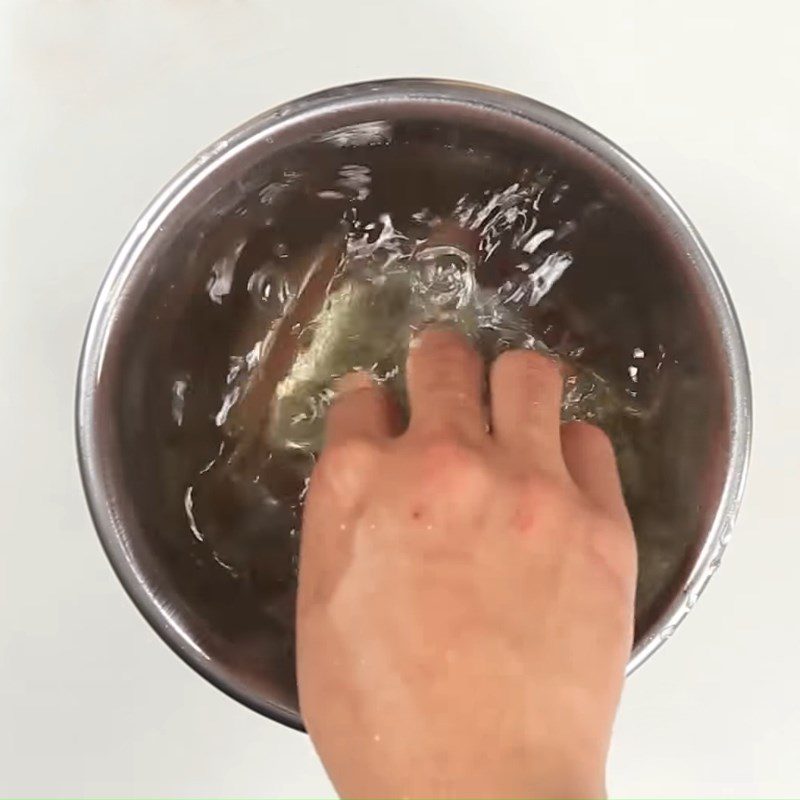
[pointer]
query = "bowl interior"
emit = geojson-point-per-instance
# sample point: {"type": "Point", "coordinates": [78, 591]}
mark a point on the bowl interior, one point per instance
{"type": "Point", "coordinates": [217, 560]}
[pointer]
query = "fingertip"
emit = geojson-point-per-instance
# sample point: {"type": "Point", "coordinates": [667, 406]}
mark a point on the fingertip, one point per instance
{"type": "Point", "coordinates": [518, 366]}
{"type": "Point", "coordinates": [353, 382]}
{"type": "Point", "coordinates": [437, 335]}
{"type": "Point", "coordinates": [361, 408]}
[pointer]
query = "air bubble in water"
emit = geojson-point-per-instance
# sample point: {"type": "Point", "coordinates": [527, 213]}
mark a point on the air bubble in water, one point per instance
{"type": "Point", "coordinates": [179, 387]}
{"type": "Point", "coordinates": [269, 286]}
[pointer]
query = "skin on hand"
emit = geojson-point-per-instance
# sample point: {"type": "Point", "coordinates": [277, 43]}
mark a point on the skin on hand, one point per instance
{"type": "Point", "coordinates": [466, 589]}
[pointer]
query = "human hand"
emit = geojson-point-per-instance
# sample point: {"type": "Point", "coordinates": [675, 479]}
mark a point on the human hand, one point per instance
{"type": "Point", "coordinates": [466, 589]}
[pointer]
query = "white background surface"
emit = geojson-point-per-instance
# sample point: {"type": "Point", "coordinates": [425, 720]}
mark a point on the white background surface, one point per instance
{"type": "Point", "coordinates": [103, 101]}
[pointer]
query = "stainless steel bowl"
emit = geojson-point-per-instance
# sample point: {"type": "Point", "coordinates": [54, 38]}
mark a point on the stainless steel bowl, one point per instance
{"type": "Point", "coordinates": [144, 301]}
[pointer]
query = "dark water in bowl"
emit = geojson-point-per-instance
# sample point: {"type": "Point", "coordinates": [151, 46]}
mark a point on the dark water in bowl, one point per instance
{"type": "Point", "coordinates": [596, 287]}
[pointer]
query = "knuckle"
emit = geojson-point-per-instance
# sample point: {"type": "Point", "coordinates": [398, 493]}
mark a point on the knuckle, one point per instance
{"type": "Point", "coordinates": [450, 459]}
{"type": "Point", "coordinates": [355, 456]}
{"type": "Point", "coordinates": [540, 500]}
{"type": "Point", "coordinates": [541, 490]}
{"type": "Point", "coordinates": [555, 489]}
